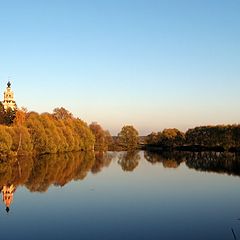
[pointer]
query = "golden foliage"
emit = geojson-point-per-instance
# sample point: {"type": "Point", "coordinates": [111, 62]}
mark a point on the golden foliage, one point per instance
{"type": "Point", "coordinates": [45, 133]}
{"type": "Point", "coordinates": [102, 138]}
{"type": "Point", "coordinates": [128, 138]}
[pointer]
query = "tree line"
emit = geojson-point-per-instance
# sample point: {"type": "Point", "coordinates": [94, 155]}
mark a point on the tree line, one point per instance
{"type": "Point", "coordinates": [219, 138]}
{"type": "Point", "coordinates": [204, 138]}
{"type": "Point", "coordinates": [31, 132]}
{"type": "Point", "coordinates": [24, 132]}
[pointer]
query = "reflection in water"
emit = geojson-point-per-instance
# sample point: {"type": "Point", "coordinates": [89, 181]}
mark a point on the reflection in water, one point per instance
{"type": "Point", "coordinates": [38, 174]}
{"type": "Point", "coordinates": [202, 161]}
{"type": "Point", "coordinates": [129, 160]}
{"type": "Point", "coordinates": [234, 235]}
{"type": "Point", "coordinates": [7, 195]}
{"type": "Point", "coordinates": [168, 159]}
{"type": "Point", "coordinates": [102, 159]}
{"type": "Point", "coordinates": [59, 169]}
{"type": "Point", "coordinates": [215, 162]}
{"type": "Point", "coordinates": [147, 197]}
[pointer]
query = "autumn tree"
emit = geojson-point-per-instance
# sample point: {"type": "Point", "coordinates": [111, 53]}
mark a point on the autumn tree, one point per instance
{"type": "Point", "coordinates": [168, 138]}
{"type": "Point", "coordinates": [102, 138]}
{"type": "Point", "coordinates": [109, 139]}
{"type": "Point", "coordinates": [153, 138]}
{"type": "Point", "coordinates": [21, 140]}
{"type": "Point", "coordinates": [62, 113]}
{"type": "Point", "coordinates": [7, 116]}
{"type": "Point", "coordinates": [37, 132]}
{"type": "Point", "coordinates": [128, 137]}
{"type": "Point", "coordinates": [83, 134]}
{"type": "Point", "coordinates": [20, 117]}
{"type": "Point", "coordinates": [214, 136]}
{"type": "Point", "coordinates": [2, 113]}
{"type": "Point", "coordinates": [44, 133]}
{"type": "Point", "coordinates": [171, 137]}
{"type": "Point", "coordinates": [5, 140]}
{"type": "Point", "coordinates": [58, 132]}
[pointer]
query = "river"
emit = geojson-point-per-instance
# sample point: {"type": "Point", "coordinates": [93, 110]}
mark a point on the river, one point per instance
{"type": "Point", "coordinates": [120, 195]}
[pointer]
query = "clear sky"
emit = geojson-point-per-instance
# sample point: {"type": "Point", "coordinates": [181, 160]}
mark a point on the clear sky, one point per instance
{"type": "Point", "coordinates": [151, 64]}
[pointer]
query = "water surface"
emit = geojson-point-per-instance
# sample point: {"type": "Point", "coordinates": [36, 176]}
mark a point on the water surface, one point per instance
{"type": "Point", "coordinates": [121, 196]}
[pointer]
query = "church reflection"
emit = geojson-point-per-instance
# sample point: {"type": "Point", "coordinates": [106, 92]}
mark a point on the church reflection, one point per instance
{"type": "Point", "coordinates": [7, 195]}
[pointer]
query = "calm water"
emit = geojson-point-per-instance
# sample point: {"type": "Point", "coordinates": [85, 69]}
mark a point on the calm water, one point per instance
{"type": "Point", "coordinates": [121, 196]}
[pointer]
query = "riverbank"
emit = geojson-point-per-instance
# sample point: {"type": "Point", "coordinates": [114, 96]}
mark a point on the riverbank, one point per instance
{"type": "Point", "coordinates": [188, 148]}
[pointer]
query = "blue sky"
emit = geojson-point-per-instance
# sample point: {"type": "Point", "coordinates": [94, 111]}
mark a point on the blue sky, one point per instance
{"type": "Point", "coordinates": [152, 64]}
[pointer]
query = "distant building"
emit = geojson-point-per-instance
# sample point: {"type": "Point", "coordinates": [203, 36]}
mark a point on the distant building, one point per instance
{"type": "Point", "coordinates": [9, 101]}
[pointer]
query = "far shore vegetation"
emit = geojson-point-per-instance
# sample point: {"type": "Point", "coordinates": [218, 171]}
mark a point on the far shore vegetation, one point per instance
{"type": "Point", "coordinates": [23, 132]}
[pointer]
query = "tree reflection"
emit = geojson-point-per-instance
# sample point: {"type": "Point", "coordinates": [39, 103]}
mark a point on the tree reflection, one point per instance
{"type": "Point", "coordinates": [59, 169]}
{"type": "Point", "coordinates": [102, 159]}
{"type": "Point", "coordinates": [37, 174]}
{"type": "Point", "coordinates": [219, 162]}
{"type": "Point", "coordinates": [168, 159]}
{"type": "Point", "coordinates": [224, 162]}
{"type": "Point", "coordinates": [129, 160]}
{"type": "Point", "coordinates": [15, 171]}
